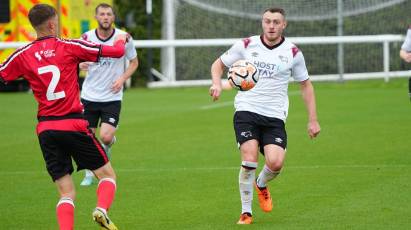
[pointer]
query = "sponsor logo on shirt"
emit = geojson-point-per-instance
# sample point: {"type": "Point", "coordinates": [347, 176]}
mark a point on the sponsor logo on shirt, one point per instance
{"type": "Point", "coordinates": [37, 55]}
{"type": "Point", "coordinates": [44, 53]}
{"type": "Point", "coordinates": [105, 62]}
{"type": "Point", "coordinates": [266, 70]}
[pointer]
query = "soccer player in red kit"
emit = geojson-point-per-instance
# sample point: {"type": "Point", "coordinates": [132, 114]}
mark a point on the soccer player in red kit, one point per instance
{"type": "Point", "coordinates": [49, 64]}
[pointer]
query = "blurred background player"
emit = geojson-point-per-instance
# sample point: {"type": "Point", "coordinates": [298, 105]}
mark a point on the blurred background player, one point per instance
{"type": "Point", "coordinates": [49, 64]}
{"type": "Point", "coordinates": [259, 120]}
{"type": "Point", "coordinates": [102, 90]}
{"type": "Point", "coordinates": [405, 54]}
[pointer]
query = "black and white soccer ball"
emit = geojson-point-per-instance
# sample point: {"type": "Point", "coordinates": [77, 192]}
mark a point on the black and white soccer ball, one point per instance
{"type": "Point", "coordinates": [243, 75]}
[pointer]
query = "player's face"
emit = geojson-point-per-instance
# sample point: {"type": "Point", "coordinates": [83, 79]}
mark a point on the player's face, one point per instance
{"type": "Point", "coordinates": [104, 17]}
{"type": "Point", "coordinates": [273, 26]}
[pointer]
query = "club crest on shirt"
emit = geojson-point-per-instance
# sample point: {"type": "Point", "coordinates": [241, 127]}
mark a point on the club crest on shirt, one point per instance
{"type": "Point", "coordinates": [283, 58]}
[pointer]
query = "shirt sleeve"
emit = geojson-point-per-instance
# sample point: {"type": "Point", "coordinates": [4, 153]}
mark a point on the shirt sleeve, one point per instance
{"type": "Point", "coordinates": [407, 43]}
{"type": "Point", "coordinates": [11, 69]}
{"type": "Point", "coordinates": [299, 70]}
{"type": "Point", "coordinates": [234, 54]}
{"type": "Point", "coordinates": [131, 52]}
{"type": "Point", "coordinates": [85, 51]}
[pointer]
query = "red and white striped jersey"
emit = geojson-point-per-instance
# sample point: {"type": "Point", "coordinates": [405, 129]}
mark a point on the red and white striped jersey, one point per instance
{"type": "Point", "coordinates": [49, 64]}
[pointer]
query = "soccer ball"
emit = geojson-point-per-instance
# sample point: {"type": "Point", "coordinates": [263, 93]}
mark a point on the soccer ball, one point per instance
{"type": "Point", "coordinates": [243, 75]}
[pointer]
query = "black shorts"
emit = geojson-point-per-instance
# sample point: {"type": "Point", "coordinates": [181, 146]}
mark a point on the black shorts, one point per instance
{"type": "Point", "coordinates": [59, 147]}
{"type": "Point", "coordinates": [107, 112]}
{"type": "Point", "coordinates": [266, 130]}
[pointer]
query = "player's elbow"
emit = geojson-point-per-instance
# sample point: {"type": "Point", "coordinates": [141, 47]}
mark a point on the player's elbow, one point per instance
{"type": "Point", "coordinates": [217, 66]}
{"type": "Point", "coordinates": [120, 52]}
{"type": "Point", "coordinates": [134, 64]}
{"type": "Point", "coordinates": [404, 55]}
{"type": "Point", "coordinates": [120, 49]}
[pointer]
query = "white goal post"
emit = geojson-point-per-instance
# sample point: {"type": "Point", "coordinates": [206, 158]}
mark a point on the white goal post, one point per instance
{"type": "Point", "coordinates": [167, 74]}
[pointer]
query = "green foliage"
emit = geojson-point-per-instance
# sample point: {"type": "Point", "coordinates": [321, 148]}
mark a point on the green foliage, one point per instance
{"type": "Point", "coordinates": [320, 59]}
{"type": "Point", "coordinates": [138, 9]}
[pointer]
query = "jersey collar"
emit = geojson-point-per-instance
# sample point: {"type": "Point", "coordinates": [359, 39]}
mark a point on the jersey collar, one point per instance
{"type": "Point", "coordinates": [45, 37]}
{"type": "Point", "coordinates": [271, 47]}
{"type": "Point", "coordinates": [108, 38]}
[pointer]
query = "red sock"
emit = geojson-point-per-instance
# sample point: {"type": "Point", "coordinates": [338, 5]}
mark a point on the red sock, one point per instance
{"type": "Point", "coordinates": [105, 193]}
{"type": "Point", "coordinates": [65, 213]}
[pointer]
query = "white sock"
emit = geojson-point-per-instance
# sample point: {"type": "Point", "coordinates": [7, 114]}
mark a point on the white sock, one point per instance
{"type": "Point", "coordinates": [265, 176]}
{"type": "Point", "coordinates": [246, 180]}
{"type": "Point", "coordinates": [89, 173]}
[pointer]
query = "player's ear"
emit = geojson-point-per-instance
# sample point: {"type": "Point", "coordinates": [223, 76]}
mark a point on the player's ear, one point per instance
{"type": "Point", "coordinates": [285, 24]}
{"type": "Point", "coordinates": [51, 25]}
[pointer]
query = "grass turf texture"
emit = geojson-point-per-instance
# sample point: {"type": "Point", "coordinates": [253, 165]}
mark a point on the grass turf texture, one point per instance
{"type": "Point", "coordinates": [177, 163]}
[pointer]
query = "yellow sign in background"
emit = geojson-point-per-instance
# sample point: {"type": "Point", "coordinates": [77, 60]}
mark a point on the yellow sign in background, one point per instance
{"type": "Point", "coordinates": [76, 17]}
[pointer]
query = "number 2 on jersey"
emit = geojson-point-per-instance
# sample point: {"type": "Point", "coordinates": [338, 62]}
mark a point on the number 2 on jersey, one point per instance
{"type": "Point", "coordinates": [55, 72]}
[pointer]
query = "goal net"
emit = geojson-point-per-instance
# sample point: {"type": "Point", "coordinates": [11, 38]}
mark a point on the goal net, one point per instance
{"type": "Point", "coordinates": [207, 19]}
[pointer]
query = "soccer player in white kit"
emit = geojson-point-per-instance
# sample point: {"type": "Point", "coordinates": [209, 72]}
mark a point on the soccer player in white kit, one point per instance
{"type": "Point", "coordinates": [261, 112]}
{"type": "Point", "coordinates": [405, 54]}
{"type": "Point", "coordinates": [102, 90]}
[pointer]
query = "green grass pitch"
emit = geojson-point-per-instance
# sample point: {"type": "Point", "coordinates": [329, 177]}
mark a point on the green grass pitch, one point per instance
{"type": "Point", "coordinates": [177, 163]}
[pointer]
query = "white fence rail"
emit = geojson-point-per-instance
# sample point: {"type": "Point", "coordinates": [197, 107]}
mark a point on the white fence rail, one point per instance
{"type": "Point", "coordinates": [168, 71]}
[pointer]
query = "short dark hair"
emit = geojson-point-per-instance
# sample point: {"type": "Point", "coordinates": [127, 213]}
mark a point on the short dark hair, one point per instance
{"type": "Point", "coordinates": [104, 5]}
{"type": "Point", "coordinates": [275, 10]}
{"type": "Point", "coordinates": [40, 13]}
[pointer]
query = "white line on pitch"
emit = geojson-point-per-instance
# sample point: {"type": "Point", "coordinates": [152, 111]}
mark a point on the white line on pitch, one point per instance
{"type": "Point", "coordinates": [223, 168]}
{"type": "Point", "coordinates": [217, 105]}
{"type": "Point", "coordinates": [228, 103]}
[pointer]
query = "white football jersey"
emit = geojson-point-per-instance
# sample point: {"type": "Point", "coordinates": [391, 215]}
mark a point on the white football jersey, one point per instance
{"type": "Point", "coordinates": [102, 74]}
{"type": "Point", "coordinates": [407, 43]}
{"type": "Point", "coordinates": [276, 65]}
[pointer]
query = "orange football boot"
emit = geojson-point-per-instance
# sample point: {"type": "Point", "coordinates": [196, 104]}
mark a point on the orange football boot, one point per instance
{"type": "Point", "coordinates": [245, 218]}
{"type": "Point", "coordinates": [264, 198]}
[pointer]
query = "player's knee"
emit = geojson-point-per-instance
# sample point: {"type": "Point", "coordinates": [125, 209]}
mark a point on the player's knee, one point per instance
{"type": "Point", "coordinates": [275, 166]}
{"type": "Point", "coordinates": [106, 138]}
{"type": "Point", "coordinates": [105, 171]}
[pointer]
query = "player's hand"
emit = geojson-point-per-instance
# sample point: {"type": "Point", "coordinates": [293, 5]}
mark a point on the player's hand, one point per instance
{"type": "Point", "coordinates": [84, 65]}
{"type": "Point", "coordinates": [408, 58]}
{"type": "Point", "coordinates": [313, 129]}
{"type": "Point", "coordinates": [118, 85]}
{"type": "Point", "coordinates": [215, 91]}
{"type": "Point", "coordinates": [119, 37]}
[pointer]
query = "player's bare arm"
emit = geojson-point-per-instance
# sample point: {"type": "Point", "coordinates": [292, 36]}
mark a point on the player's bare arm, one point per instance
{"type": "Point", "coordinates": [217, 69]}
{"type": "Point", "coordinates": [308, 95]}
{"type": "Point", "coordinates": [118, 84]}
